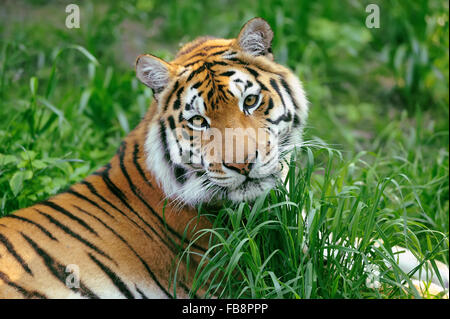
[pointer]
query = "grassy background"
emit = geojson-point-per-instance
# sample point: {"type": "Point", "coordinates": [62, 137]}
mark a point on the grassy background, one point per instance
{"type": "Point", "coordinates": [379, 99]}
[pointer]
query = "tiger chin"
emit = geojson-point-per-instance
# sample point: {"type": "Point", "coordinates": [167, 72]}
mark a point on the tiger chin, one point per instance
{"type": "Point", "coordinates": [117, 233]}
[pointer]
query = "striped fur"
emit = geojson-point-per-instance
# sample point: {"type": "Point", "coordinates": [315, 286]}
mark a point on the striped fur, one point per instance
{"type": "Point", "coordinates": [110, 225]}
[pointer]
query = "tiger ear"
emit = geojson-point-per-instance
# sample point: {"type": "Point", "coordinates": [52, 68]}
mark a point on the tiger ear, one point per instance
{"type": "Point", "coordinates": [256, 37]}
{"type": "Point", "coordinates": [153, 72]}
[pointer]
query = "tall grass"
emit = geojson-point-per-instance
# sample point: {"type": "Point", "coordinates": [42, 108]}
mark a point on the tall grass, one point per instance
{"type": "Point", "coordinates": [317, 239]}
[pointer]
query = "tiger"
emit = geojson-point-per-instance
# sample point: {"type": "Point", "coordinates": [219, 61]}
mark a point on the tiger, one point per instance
{"type": "Point", "coordinates": [116, 233]}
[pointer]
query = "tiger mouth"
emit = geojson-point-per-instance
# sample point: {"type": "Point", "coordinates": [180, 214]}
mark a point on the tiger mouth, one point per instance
{"type": "Point", "coordinates": [252, 188]}
{"type": "Point", "coordinates": [254, 181]}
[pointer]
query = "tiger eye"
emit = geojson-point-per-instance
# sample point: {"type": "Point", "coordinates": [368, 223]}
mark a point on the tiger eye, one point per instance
{"type": "Point", "coordinates": [198, 118]}
{"type": "Point", "coordinates": [250, 100]}
{"type": "Point", "coordinates": [198, 122]}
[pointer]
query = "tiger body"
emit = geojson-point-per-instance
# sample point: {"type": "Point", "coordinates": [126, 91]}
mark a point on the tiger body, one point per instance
{"type": "Point", "coordinates": [116, 226]}
{"type": "Point", "coordinates": [110, 225]}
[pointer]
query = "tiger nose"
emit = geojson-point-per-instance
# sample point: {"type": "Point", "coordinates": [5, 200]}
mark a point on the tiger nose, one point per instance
{"type": "Point", "coordinates": [241, 168]}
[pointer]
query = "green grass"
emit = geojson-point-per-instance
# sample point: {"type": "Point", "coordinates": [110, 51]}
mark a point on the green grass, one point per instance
{"type": "Point", "coordinates": [258, 251]}
{"type": "Point", "coordinates": [379, 117]}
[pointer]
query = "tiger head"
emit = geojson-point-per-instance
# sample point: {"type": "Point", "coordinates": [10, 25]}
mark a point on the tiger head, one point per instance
{"type": "Point", "coordinates": [225, 114]}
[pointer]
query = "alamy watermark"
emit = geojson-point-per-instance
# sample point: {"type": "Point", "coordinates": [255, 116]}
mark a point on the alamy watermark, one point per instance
{"type": "Point", "coordinates": [73, 16]}
{"type": "Point", "coordinates": [230, 145]}
{"type": "Point", "coordinates": [73, 277]}
{"type": "Point", "coordinates": [373, 19]}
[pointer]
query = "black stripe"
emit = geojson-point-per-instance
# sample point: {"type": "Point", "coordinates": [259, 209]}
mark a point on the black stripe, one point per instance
{"type": "Point", "coordinates": [195, 72]}
{"type": "Point", "coordinates": [269, 107]}
{"type": "Point", "coordinates": [210, 95]}
{"type": "Point", "coordinates": [195, 46]}
{"type": "Point", "coordinates": [181, 118]}
{"type": "Point", "coordinates": [297, 121]}
{"type": "Point", "coordinates": [268, 161]}
{"type": "Point", "coordinates": [175, 87]}
{"type": "Point", "coordinates": [193, 63]}
{"type": "Point", "coordinates": [63, 211]}
{"type": "Point", "coordinates": [182, 72]}
{"type": "Point", "coordinates": [197, 85]}
{"type": "Point", "coordinates": [92, 189]}
{"type": "Point", "coordinates": [71, 233]}
{"type": "Point", "coordinates": [26, 220]}
{"type": "Point", "coordinates": [277, 89]}
{"type": "Point", "coordinates": [252, 72]}
{"type": "Point", "coordinates": [172, 246]}
{"type": "Point", "coordinates": [262, 86]}
{"type": "Point", "coordinates": [118, 193]}
{"type": "Point", "coordinates": [135, 191]}
{"type": "Point", "coordinates": [228, 73]}
{"type": "Point", "coordinates": [171, 122]}
{"type": "Point", "coordinates": [287, 117]}
{"type": "Point", "coordinates": [163, 136]}
{"type": "Point", "coordinates": [255, 75]}
{"type": "Point", "coordinates": [289, 92]}
{"type": "Point", "coordinates": [209, 47]}
{"type": "Point", "coordinates": [150, 272]}
{"type": "Point", "coordinates": [232, 168]}
{"type": "Point", "coordinates": [120, 285]}
{"type": "Point", "coordinates": [14, 253]}
{"type": "Point", "coordinates": [234, 59]}
{"type": "Point", "coordinates": [196, 55]}
{"type": "Point", "coordinates": [177, 103]}
{"type": "Point", "coordinates": [187, 290]}
{"type": "Point", "coordinates": [239, 61]}
{"type": "Point", "coordinates": [75, 193]}
{"type": "Point", "coordinates": [218, 52]}
{"type": "Point", "coordinates": [138, 166]}
{"type": "Point", "coordinates": [58, 270]}
{"type": "Point", "coordinates": [189, 105]}
{"type": "Point", "coordinates": [143, 296]}
{"type": "Point", "coordinates": [26, 293]}
{"type": "Point", "coordinates": [94, 192]}
{"type": "Point", "coordinates": [219, 63]}
{"type": "Point", "coordinates": [180, 174]}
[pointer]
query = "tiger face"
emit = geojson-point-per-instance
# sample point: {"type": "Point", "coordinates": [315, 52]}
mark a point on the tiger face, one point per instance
{"type": "Point", "coordinates": [225, 115]}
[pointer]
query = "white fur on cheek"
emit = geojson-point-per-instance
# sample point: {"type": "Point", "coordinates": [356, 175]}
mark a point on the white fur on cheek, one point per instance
{"type": "Point", "coordinates": [191, 192]}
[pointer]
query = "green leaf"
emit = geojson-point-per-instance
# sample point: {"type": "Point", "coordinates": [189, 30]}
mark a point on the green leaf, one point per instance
{"type": "Point", "coordinates": [38, 164]}
{"type": "Point", "coordinates": [16, 182]}
{"type": "Point", "coordinates": [86, 53]}
{"type": "Point", "coordinates": [33, 86]}
{"type": "Point", "coordinates": [7, 159]}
